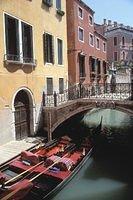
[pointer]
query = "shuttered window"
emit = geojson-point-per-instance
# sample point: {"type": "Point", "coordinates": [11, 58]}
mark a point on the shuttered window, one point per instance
{"type": "Point", "coordinates": [61, 85]}
{"type": "Point", "coordinates": [60, 51]}
{"type": "Point", "coordinates": [49, 86]}
{"type": "Point", "coordinates": [27, 41]}
{"type": "Point", "coordinates": [19, 40]}
{"type": "Point", "coordinates": [48, 48]}
{"type": "Point", "coordinates": [12, 36]}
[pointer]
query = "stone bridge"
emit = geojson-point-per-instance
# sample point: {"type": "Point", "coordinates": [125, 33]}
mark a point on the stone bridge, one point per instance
{"type": "Point", "coordinates": [54, 116]}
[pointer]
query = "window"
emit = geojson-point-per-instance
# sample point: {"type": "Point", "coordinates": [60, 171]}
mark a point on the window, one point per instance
{"type": "Point", "coordinates": [61, 85]}
{"type": "Point", "coordinates": [90, 20]}
{"type": "Point", "coordinates": [12, 38]}
{"type": "Point", "coordinates": [97, 43]}
{"type": "Point", "coordinates": [19, 40]}
{"type": "Point", "coordinates": [48, 3]}
{"type": "Point", "coordinates": [123, 41]}
{"type": "Point", "coordinates": [81, 34]}
{"type": "Point", "coordinates": [48, 48]}
{"type": "Point", "coordinates": [80, 12]}
{"type": "Point", "coordinates": [115, 41]}
{"type": "Point", "coordinates": [104, 47]}
{"type": "Point", "coordinates": [58, 4]}
{"type": "Point", "coordinates": [82, 66]}
{"type": "Point", "coordinates": [104, 67]}
{"type": "Point", "coordinates": [132, 42]}
{"type": "Point", "coordinates": [123, 55]}
{"type": "Point", "coordinates": [91, 40]}
{"type": "Point", "coordinates": [115, 56]}
{"type": "Point", "coordinates": [49, 86]}
{"type": "Point", "coordinates": [27, 39]}
{"type": "Point", "coordinates": [60, 51]}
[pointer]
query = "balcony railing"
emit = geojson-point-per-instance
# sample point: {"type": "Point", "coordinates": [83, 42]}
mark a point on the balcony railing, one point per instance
{"type": "Point", "coordinates": [119, 91]}
{"type": "Point", "coordinates": [19, 60]}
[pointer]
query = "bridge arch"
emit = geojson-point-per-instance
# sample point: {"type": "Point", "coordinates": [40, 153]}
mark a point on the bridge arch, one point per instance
{"type": "Point", "coordinates": [60, 114]}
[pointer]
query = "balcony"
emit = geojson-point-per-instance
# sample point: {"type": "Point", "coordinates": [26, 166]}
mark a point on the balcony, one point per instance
{"type": "Point", "coordinates": [19, 60]}
{"type": "Point", "coordinates": [48, 3]}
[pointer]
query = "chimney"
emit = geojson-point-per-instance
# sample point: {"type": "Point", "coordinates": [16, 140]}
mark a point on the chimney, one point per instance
{"type": "Point", "coordinates": [109, 23]}
{"type": "Point", "coordinates": [115, 24]}
{"type": "Point", "coordinates": [121, 25]}
{"type": "Point", "coordinates": [104, 21]}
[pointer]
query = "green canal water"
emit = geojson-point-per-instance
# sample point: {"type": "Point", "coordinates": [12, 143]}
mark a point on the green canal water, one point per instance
{"type": "Point", "coordinates": [104, 176]}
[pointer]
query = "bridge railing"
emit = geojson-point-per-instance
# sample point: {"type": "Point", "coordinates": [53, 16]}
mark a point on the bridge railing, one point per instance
{"type": "Point", "coordinates": [119, 91]}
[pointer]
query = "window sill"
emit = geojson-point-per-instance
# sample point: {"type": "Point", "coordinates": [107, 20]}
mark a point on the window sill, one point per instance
{"type": "Point", "coordinates": [81, 41]}
{"type": "Point", "coordinates": [51, 64]}
{"type": "Point", "coordinates": [19, 61]}
{"type": "Point", "coordinates": [59, 65]}
{"type": "Point", "coordinates": [91, 45]}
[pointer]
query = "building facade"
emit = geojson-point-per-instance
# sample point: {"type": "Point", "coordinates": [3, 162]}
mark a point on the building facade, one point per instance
{"type": "Point", "coordinates": [119, 49]}
{"type": "Point", "coordinates": [86, 47]}
{"type": "Point", "coordinates": [33, 59]}
{"type": "Point", "coordinates": [119, 41]}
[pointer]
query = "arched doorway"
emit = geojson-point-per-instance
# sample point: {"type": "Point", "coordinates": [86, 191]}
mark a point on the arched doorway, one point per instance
{"type": "Point", "coordinates": [23, 115]}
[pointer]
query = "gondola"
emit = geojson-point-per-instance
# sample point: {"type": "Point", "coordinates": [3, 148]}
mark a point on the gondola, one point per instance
{"type": "Point", "coordinates": [41, 173]}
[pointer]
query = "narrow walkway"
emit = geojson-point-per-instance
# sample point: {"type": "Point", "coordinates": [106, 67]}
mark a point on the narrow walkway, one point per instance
{"type": "Point", "coordinates": [13, 148]}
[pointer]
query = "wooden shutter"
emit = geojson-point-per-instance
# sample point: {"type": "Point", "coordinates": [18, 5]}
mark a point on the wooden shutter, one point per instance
{"type": "Point", "coordinates": [45, 46]}
{"type": "Point", "coordinates": [61, 85]}
{"type": "Point", "coordinates": [49, 86]}
{"type": "Point", "coordinates": [6, 34]}
{"type": "Point", "coordinates": [53, 49]}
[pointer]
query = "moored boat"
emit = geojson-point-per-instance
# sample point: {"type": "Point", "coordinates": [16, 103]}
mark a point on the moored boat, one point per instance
{"type": "Point", "coordinates": [41, 174]}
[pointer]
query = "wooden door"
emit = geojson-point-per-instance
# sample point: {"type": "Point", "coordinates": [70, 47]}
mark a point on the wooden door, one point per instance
{"type": "Point", "coordinates": [21, 121]}
{"type": "Point", "coordinates": [22, 115]}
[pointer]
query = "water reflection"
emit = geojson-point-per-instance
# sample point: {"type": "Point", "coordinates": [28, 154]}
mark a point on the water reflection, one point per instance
{"type": "Point", "coordinates": [96, 182]}
{"type": "Point", "coordinates": [111, 118]}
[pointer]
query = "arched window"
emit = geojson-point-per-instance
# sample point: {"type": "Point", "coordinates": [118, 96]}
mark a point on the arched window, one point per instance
{"type": "Point", "coordinates": [115, 41]}
{"type": "Point", "coordinates": [123, 41]}
{"type": "Point", "coordinates": [123, 55]}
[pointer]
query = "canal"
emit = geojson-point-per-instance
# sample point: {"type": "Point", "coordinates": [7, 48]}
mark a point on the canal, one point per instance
{"type": "Point", "coordinates": [107, 175]}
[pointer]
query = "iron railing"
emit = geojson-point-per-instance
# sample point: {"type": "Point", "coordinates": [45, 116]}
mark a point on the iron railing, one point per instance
{"type": "Point", "coordinates": [18, 59]}
{"type": "Point", "coordinates": [119, 91]}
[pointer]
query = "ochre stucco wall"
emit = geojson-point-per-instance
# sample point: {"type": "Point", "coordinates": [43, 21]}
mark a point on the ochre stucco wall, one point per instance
{"type": "Point", "coordinates": [15, 77]}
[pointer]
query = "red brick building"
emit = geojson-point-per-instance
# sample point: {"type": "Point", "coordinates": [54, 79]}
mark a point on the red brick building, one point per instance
{"type": "Point", "coordinates": [86, 47]}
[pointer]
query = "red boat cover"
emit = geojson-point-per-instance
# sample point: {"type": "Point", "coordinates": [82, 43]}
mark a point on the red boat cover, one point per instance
{"type": "Point", "coordinates": [2, 178]}
{"type": "Point", "coordinates": [19, 190]}
{"type": "Point", "coordinates": [75, 157]}
{"type": "Point", "coordinates": [60, 175]}
{"type": "Point", "coordinates": [53, 151]}
{"type": "Point", "coordinates": [32, 158]}
{"type": "Point", "coordinates": [18, 164]}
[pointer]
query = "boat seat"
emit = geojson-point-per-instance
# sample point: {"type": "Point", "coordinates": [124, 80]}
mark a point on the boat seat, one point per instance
{"type": "Point", "coordinates": [30, 157]}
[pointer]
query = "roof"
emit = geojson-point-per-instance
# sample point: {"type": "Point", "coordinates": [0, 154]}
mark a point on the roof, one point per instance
{"type": "Point", "coordinates": [100, 35]}
{"type": "Point", "coordinates": [86, 6]}
{"type": "Point", "coordinates": [118, 28]}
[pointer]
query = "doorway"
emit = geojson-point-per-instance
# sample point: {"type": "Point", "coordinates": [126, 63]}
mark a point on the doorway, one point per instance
{"type": "Point", "coordinates": [23, 115]}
